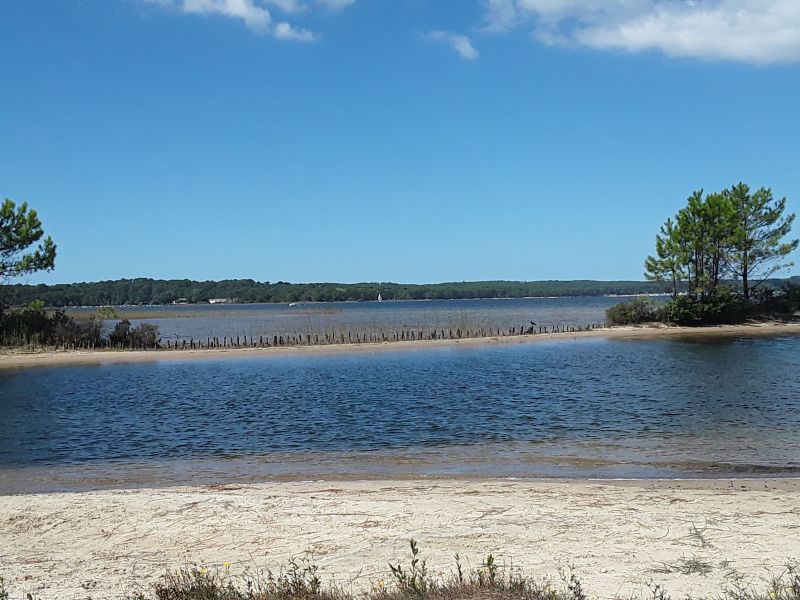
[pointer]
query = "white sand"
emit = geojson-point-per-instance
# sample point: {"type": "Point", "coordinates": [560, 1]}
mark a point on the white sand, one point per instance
{"type": "Point", "coordinates": [616, 535]}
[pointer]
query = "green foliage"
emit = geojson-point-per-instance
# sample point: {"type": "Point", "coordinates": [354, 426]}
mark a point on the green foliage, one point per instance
{"type": "Point", "coordinates": [66, 330]}
{"type": "Point", "coordinates": [144, 335]}
{"type": "Point", "coordinates": [731, 233]}
{"type": "Point", "coordinates": [634, 312]}
{"type": "Point", "coordinates": [757, 240]}
{"type": "Point", "coordinates": [669, 263]}
{"type": "Point", "coordinates": [720, 306]}
{"type": "Point", "coordinates": [20, 228]}
{"type": "Point", "coordinates": [414, 581]}
{"type": "Point", "coordinates": [300, 581]}
{"type": "Point", "coordinates": [121, 333]}
{"type": "Point", "coordinates": [33, 326]}
{"type": "Point", "coordinates": [790, 297]}
{"type": "Point", "coordinates": [153, 291]}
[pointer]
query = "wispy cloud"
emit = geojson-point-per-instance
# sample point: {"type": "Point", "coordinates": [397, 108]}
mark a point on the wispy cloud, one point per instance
{"type": "Point", "coordinates": [290, 7]}
{"type": "Point", "coordinates": [256, 15]}
{"type": "Point", "coordinates": [285, 31]}
{"type": "Point", "coordinates": [460, 43]}
{"type": "Point", "coordinates": [499, 15]}
{"type": "Point", "coordinates": [751, 31]}
{"type": "Point", "coordinates": [335, 5]}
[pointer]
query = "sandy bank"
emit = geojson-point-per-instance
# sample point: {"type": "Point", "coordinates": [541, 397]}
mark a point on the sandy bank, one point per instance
{"type": "Point", "coordinates": [618, 536]}
{"type": "Point", "coordinates": [17, 360]}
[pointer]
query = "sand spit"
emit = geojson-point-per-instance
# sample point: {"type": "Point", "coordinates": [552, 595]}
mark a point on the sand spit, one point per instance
{"type": "Point", "coordinates": [618, 536]}
{"type": "Point", "coordinates": [19, 360]}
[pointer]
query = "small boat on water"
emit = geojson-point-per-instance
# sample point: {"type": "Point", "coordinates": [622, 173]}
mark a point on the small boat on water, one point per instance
{"type": "Point", "coordinates": [293, 304]}
{"type": "Point", "coordinates": [379, 298]}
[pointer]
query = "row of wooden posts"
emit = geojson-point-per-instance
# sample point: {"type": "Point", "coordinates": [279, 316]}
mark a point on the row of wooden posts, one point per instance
{"type": "Point", "coordinates": [351, 337]}
{"type": "Point", "coordinates": [329, 338]}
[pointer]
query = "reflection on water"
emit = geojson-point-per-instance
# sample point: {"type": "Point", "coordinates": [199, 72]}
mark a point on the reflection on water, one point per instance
{"type": "Point", "coordinates": [573, 408]}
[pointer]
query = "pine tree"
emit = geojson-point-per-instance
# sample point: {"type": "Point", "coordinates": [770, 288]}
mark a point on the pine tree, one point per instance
{"type": "Point", "coordinates": [757, 249]}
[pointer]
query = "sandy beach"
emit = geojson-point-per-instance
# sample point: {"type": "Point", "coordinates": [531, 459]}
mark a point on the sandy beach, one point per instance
{"type": "Point", "coordinates": [13, 359]}
{"type": "Point", "coordinates": [618, 536]}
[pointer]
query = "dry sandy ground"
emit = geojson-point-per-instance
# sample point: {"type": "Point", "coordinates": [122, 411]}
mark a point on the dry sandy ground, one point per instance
{"type": "Point", "coordinates": [618, 536]}
{"type": "Point", "coordinates": [18, 360]}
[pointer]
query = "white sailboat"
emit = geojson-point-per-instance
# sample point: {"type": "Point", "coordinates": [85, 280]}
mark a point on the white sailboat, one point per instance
{"type": "Point", "coordinates": [379, 298]}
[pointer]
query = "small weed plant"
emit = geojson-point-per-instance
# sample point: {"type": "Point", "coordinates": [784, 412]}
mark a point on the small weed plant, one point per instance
{"type": "Point", "coordinates": [300, 580]}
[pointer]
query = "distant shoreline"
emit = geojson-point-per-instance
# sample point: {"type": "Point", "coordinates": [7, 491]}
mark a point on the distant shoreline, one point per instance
{"type": "Point", "coordinates": [11, 359]}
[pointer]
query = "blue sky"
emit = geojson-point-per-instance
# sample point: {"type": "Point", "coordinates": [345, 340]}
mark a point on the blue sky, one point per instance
{"type": "Point", "coordinates": [376, 140]}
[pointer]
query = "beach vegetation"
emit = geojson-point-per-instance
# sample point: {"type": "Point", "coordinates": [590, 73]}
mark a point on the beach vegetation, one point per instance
{"type": "Point", "coordinates": [35, 326]}
{"type": "Point", "coordinates": [634, 312]}
{"type": "Point", "coordinates": [490, 581]}
{"type": "Point", "coordinates": [300, 580]}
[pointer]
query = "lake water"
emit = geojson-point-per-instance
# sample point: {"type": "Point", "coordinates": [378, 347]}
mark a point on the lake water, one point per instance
{"type": "Point", "coordinates": [572, 408]}
{"type": "Point", "coordinates": [201, 321]}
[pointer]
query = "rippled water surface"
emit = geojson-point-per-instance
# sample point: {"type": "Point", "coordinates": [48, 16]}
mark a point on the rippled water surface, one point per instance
{"type": "Point", "coordinates": [592, 407]}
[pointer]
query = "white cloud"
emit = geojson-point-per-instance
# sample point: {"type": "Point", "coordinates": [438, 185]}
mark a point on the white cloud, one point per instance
{"type": "Point", "coordinates": [255, 17]}
{"type": "Point", "coordinates": [285, 31]}
{"type": "Point", "coordinates": [500, 15]}
{"type": "Point", "coordinates": [254, 13]}
{"type": "Point", "coordinates": [460, 43]}
{"type": "Point", "coordinates": [751, 31]}
{"type": "Point", "coordinates": [290, 7]}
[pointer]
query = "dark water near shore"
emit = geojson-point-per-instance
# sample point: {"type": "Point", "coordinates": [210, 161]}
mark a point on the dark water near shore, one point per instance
{"type": "Point", "coordinates": [199, 322]}
{"type": "Point", "coordinates": [593, 407]}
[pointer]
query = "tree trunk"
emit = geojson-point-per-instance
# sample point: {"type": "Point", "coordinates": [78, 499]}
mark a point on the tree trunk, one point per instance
{"type": "Point", "coordinates": [745, 282]}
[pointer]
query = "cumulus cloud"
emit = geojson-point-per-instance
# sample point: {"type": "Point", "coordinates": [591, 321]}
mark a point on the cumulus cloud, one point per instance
{"type": "Point", "coordinates": [752, 31]}
{"type": "Point", "coordinates": [460, 43]}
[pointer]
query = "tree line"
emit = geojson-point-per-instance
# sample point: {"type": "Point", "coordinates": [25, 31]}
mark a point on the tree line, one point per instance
{"type": "Point", "coordinates": [156, 291]}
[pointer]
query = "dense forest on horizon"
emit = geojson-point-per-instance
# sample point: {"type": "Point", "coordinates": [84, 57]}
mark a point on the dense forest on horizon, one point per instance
{"type": "Point", "coordinates": [155, 291]}
{"type": "Point", "coordinates": [159, 291]}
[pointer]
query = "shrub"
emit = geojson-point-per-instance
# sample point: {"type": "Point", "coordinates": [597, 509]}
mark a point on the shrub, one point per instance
{"type": "Point", "coordinates": [721, 306]}
{"type": "Point", "coordinates": [121, 333]}
{"type": "Point", "coordinates": [67, 330]}
{"type": "Point", "coordinates": [638, 310]}
{"type": "Point", "coordinates": [33, 326]}
{"type": "Point", "coordinates": [143, 336]}
{"type": "Point", "coordinates": [786, 301]}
